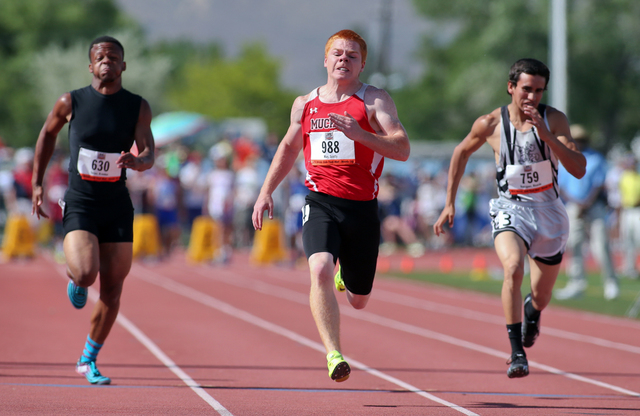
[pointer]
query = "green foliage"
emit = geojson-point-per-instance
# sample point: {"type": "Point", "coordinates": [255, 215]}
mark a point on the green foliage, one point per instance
{"type": "Point", "coordinates": [604, 68]}
{"type": "Point", "coordinates": [592, 301]}
{"type": "Point", "coordinates": [244, 87]}
{"type": "Point", "coordinates": [55, 70]}
{"type": "Point", "coordinates": [472, 45]}
{"type": "Point", "coordinates": [27, 27]}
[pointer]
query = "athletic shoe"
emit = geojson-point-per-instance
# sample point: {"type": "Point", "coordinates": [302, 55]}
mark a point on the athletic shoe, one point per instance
{"type": "Point", "coordinates": [339, 369]}
{"type": "Point", "coordinates": [90, 371]}
{"type": "Point", "coordinates": [611, 289]}
{"type": "Point", "coordinates": [387, 249]}
{"type": "Point", "coordinates": [530, 329]}
{"type": "Point", "coordinates": [338, 280]}
{"type": "Point", "coordinates": [77, 295]}
{"type": "Point", "coordinates": [574, 289]}
{"type": "Point", "coordinates": [519, 366]}
{"type": "Point", "coordinates": [415, 250]}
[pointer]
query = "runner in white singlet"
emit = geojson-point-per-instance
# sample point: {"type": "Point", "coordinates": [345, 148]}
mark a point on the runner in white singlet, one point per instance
{"type": "Point", "coordinates": [528, 140]}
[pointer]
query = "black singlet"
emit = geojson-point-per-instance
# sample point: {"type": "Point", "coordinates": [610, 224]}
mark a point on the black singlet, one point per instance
{"type": "Point", "coordinates": [104, 123]}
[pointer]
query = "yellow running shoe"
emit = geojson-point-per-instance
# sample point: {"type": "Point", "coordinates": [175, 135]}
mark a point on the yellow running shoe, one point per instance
{"type": "Point", "coordinates": [339, 369]}
{"type": "Point", "coordinates": [338, 280]}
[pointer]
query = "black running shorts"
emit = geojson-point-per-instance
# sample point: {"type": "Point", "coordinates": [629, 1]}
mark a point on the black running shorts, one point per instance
{"type": "Point", "coordinates": [111, 222]}
{"type": "Point", "coordinates": [349, 230]}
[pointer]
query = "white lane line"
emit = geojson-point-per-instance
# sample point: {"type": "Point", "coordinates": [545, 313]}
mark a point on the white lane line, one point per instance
{"type": "Point", "coordinates": [188, 292]}
{"type": "Point", "coordinates": [410, 301]}
{"type": "Point", "coordinates": [297, 297]}
{"type": "Point", "coordinates": [159, 354]}
{"type": "Point", "coordinates": [495, 319]}
{"type": "Point", "coordinates": [487, 299]}
{"type": "Point", "coordinates": [175, 369]}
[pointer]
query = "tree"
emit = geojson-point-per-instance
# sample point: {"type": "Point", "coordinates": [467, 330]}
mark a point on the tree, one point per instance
{"type": "Point", "coordinates": [56, 70]}
{"type": "Point", "coordinates": [466, 72]}
{"type": "Point", "coordinates": [27, 27]}
{"type": "Point", "coordinates": [247, 86]}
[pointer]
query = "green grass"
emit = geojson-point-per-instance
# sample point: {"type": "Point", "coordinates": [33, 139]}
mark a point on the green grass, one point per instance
{"type": "Point", "coordinates": [592, 301]}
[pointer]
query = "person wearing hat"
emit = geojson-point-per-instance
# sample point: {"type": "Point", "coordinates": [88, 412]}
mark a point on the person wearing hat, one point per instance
{"type": "Point", "coordinates": [586, 203]}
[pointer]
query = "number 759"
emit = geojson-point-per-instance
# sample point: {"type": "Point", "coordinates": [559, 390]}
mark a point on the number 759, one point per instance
{"type": "Point", "coordinates": [529, 177]}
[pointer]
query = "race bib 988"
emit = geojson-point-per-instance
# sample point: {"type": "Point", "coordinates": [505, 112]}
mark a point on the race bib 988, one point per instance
{"type": "Point", "coordinates": [332, 148]}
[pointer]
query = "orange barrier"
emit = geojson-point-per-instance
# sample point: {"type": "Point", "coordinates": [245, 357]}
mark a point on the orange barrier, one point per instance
{"type": "Point", "coordinates": [205, 239]}
{"type": "Point", "coordinates": [146, 235]}
{"type": "Point", "coordinates": [19, 239]}
{"type": "Point", "coordinates": [268, 244]}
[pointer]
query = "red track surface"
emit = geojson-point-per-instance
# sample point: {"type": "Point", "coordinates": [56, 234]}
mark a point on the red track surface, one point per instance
{"type": "Point", "coordinates": [240, 340]}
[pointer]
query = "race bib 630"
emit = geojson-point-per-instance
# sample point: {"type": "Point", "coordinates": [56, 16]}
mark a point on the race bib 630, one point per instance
{"type": "Point", "coordinates": [98, 166]}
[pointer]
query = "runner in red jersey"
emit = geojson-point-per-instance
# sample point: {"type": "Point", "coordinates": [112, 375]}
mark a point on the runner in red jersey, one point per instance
{"type": "Point", "coordinates": [355, 168]}
{"type": "Point", "coordinates": [346, 129]}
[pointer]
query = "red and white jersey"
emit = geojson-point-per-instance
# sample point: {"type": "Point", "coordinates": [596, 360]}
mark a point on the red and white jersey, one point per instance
{"type": "Point", "coordinates": [336, 165]}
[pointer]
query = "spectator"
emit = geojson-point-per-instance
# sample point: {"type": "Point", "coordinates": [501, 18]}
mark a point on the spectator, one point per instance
{"type": "Point", "coordinates": [394, 227]}
{"type": "Point", "coordinates": [586, 204]}
{"type": "Point", "coordinates": [18, 196]}
{"type": "Point", "coordinates": [630, 216]}
{"type": "Point", "coordinates": [430, 198]}
{"type": "Point", "coordinates": [220, 195]}
{"type": "Point", "coordinates": [193, 181]}
{"type": "Point", "coordinates": [297, 192]}
{"type": "Point", "coordinates": [612, 187]}
{"type": "Point", "coordinates": [247, 187]}
{"type": "Point", "coordinates": [166, 198]}
{"type": "Point", "coordinates": [57, 181]}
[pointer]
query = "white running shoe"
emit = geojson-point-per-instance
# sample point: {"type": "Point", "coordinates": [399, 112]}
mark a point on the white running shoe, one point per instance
{"type": "Point", "coordinates": [611, 289]}
{"type": "Point", "coordinates": [573, 289]}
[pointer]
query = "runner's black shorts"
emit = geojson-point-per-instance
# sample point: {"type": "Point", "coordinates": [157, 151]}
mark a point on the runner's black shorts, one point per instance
{"type": "Point", "coordinates": [349, 230]}
{"type": "Point", "coordinates": [111, 221]}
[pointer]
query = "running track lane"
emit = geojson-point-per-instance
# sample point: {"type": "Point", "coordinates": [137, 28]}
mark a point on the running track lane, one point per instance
{"type": "Point", "coordinates": [244, 336]}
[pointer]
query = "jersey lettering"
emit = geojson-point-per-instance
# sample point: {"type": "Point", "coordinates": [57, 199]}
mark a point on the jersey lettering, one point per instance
{"type": "Point", "coordinates": [321, 123]}
{"type": "Point", "coordinates": [502, 220]}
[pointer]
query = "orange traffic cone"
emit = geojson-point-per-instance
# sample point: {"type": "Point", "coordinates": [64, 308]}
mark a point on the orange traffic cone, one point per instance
{"type": "Point", "coordinates": [406, 264]}
{"type": "Point", "coordinates": [383, 265]}
{"type": "Point", "coordinates": [479, 268]}
{"type": "Point", "coordinates": [446, 263]}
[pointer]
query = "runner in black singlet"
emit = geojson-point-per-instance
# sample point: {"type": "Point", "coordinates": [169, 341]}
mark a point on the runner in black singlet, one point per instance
{"type": "Point", "coordinates": [104, 122]}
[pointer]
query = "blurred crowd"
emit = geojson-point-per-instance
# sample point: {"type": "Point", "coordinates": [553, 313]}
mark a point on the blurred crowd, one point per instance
{"type": "Point", "coordinates": [223, 182]}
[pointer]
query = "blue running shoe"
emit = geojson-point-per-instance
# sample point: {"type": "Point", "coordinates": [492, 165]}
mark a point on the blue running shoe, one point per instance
{"type": "Point", "coordinates": [90, 371]}
{"type": "Point", "coordinates": [77, 295]}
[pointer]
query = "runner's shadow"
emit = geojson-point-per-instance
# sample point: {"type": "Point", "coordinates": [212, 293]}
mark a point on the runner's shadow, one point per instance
{"type": "Point", "coordinates": [632, 410]}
